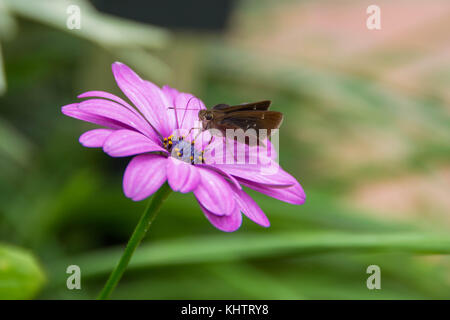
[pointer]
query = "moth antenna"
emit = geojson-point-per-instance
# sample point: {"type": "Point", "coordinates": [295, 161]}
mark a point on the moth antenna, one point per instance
{"type": "Point", "coordinates": [176, 117]}
{"type": "Point", "coordinates": [181, 108]}
{"type": "Point", "coordinates": [187, 108]}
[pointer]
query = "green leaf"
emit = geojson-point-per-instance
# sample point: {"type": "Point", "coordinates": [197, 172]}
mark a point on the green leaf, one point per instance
{"type": "Point", "coordinates": [97, 27]}
{"type": "Point", "coordinates": [126, 39]}
{"type": "Point", "coordinates": [220, 248]}
{"type": "Point", "coordinates": [21, 276]}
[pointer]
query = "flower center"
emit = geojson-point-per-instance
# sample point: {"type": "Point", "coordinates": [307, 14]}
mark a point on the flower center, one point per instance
{"type": "Point", "coordinates": [183, 150]}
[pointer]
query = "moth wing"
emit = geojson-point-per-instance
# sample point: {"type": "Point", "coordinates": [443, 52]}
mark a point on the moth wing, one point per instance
{"type": "Point", "coordinates": [220, 107]}
{"type": "Point", "coordinates": [246, 120]}
{"type": "Point", "coordinates": [252, 119]}
{"type": "Point", "coordinates": [251, 106]}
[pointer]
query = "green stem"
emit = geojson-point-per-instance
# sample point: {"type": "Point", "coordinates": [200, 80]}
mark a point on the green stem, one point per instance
{"type": "Point", "coordinates": [139, 232]}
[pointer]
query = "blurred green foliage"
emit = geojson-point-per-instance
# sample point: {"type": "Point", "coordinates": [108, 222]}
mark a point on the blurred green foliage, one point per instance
{"type": "Point", "coordinates": [64, 203]}
{"type": "Point", "coordinates": [20, 275]}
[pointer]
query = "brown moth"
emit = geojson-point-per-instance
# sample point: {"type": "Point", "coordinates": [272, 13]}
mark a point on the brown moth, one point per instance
{"type": "Point", "coordinates": [254, 115]}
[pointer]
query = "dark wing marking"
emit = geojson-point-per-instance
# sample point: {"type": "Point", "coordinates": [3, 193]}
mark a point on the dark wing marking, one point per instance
{"type": "Point", "coordinates": [259, 105]}
{"type": "Point", "coordinates": [246, 120]}
{"type": "Point", "coordinates": [220, 106]}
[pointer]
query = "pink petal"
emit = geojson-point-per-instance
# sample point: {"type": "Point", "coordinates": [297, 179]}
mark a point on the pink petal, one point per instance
{"type": "Point", "coordinates": [124, 143]}
{"type": "Point", "coordinates": [250, 163]}
{"type": "Point", "coordinates": [227, 223]}
{"type": "Point", "coordinates": [146, 96]}
{"type": "Point", "coordinates": [95, 138]}
{"type": "Point", "coordinates": [114, 111]}
{"type": "Point", "coordinates": [107, 95]}
{"type": "Point", "coordinates": [144, 175]}
{"type": "Point", "coordinates": [182, 176]}
{"type": "Point", "coordinates": [272, 175]}
{"type": "Point", "coordinates": [240, 153]}
{"type": "Point", "coordinates": [293, 194]}
{"type": "Point", "coordinates": [214, 193]}
{"type": "Point", "coordinates": [215, 151]}
{"type": "Point", "coordinates": [202, 139]}
{"type": "Point", "coordinates": [171, 94]}
{"type": "Point", "coordinates": [250, 208]}
{"type": "Point", "coordinates": [267, 151]}
{"type": "Point", "coordinates": [223, 173]}
{"type": "Point", "coordinates": [73, 111]}
{"type": "Point", "coordinates": [186, 109]}
{"type": "Point", "coordinates": [184, 105]}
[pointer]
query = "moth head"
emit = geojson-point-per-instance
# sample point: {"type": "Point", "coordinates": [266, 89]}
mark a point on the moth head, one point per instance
{"type": "Point", "coordinates": [205, 115]}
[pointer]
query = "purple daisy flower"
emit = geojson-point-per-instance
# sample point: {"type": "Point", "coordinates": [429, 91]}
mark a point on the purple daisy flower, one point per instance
{"type": "Point", "coordinates": [158, 133]}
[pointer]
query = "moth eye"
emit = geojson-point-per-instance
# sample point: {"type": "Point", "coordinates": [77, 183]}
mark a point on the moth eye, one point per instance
{"type": "Point", "coordinates": [209, 117]}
